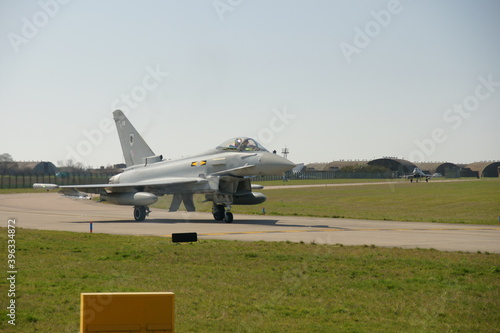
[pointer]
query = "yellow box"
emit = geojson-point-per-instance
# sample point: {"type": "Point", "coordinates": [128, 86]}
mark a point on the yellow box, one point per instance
{"type": "Point", "coordinates": [127, 312]}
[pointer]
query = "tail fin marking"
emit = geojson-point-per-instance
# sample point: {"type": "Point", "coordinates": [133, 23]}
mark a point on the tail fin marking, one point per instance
{"type": "Point", "coordinates": [135, 149]}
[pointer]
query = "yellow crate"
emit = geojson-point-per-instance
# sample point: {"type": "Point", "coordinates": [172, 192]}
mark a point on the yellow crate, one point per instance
{"type": "Point", "coordinates": [127, 312]}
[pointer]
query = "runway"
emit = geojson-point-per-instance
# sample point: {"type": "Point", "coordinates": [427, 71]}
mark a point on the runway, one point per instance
{"type": "Point", "coordinates": [50, 211]}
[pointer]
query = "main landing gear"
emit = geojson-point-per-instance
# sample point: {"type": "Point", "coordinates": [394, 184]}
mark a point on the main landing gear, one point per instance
{"type": "Point", "coordinates": [140, 213]}
{"type": "Point", "coordinates": [220, 213]}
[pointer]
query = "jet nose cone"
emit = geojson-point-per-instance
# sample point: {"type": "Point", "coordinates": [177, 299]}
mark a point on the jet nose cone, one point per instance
{"type": "Point", "coordinates": [272, 164]}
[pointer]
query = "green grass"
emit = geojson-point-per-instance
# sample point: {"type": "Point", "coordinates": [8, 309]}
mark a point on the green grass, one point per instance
{"type": "Point", "coordinates": [229, 286]}
{"type": "Point", "coordinates": [474, 201]}
{"type": "Point", "coordinates": [319, 181]}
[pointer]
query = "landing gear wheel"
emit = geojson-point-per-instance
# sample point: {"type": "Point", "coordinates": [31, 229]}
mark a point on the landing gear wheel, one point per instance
{"type": "Point", "coordinates": [140, 213]}
{"type": "Point", "coordinates": [228, 217]}
{"type": "Point", "coordinates": [219, 212]}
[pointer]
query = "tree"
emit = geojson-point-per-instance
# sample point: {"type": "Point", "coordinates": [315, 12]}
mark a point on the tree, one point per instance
{"type": "Point", "coordinates": [70, 164]}
{"type": "Point", "coordinates": [7, 163]}
{"type": "Point", "coordinates": [364, 168]}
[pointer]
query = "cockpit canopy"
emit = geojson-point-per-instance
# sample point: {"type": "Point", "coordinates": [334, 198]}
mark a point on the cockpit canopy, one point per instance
{"type": "Point", "coordinates": [241, 144]}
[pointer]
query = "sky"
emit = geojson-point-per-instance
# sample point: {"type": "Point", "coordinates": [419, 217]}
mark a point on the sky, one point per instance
{"type": "Point", "coordinates": [329, 80]}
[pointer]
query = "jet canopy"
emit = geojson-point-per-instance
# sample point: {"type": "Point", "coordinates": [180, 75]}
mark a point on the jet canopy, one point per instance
{"type": "Point", "coordinates": [241, 144]}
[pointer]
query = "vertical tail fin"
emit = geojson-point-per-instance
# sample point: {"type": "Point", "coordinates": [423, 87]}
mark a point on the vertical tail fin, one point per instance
{"type": "Point", "coordinates": [135, 149]}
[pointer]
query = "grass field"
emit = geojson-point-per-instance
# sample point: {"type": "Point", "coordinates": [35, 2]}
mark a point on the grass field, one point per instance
{"type": "Point", "coordinates": [226, 286]}
{"type": "Point", "coordinates": [471, 201]}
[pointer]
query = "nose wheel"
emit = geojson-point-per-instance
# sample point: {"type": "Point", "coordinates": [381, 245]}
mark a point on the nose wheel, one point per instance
{"type": "Point", "coordinates": [140, 213]}
{"type": "Point", "coordinates": [220, 214]}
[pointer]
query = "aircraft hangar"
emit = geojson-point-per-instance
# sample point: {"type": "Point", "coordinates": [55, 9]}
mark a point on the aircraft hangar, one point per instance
{"type": "Point", "coordinates": [394, 164]}
{"type": "Point", "coordinates": [447, 169]}
{"type": "Point", "coordinates": [401, 167]}
{"type": "Point", "coordinates": [486, 169]}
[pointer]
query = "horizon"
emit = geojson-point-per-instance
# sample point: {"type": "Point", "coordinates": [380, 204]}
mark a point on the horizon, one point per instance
{"type": "Point", "coordinates": [331, 78]}
{"type": "Point", "coordinates": [89, 167]}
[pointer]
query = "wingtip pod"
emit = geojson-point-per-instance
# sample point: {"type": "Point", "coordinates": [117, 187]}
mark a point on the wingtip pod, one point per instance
{"type": "Point", "coordinates": [44, 186]}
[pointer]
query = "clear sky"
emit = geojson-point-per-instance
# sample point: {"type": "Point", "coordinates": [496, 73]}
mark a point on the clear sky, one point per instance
{"type": "Point", "coordinates": [330, 80]}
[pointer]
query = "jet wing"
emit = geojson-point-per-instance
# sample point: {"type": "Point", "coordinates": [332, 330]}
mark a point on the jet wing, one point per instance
{"type": "Point", "coordinates": [123, 187]}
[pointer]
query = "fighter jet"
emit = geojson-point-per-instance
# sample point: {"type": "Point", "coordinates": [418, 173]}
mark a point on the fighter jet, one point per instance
{"type": "Point", "coordinates": [223, 174]}
{"type": "Point", "coordinates": [417, 174]}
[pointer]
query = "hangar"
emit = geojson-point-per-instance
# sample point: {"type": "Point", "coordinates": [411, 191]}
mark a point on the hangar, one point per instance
{"type": "Point", "coordinates": [486, 169]}
{"type": "Point", "coordinates": [447, 169]}
{"type": "Point", "coordinates": [46, 168]}
{"type": "Point", "coordinates": [400, 166]}
{"type": "Point", "coordinates": [403, 167]}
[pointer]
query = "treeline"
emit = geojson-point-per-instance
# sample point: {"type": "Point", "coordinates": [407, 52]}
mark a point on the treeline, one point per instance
{"type": "Point", "coordinates": [364, 168]}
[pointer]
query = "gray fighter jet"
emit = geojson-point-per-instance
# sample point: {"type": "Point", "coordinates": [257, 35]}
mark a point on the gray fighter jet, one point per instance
{"type": "Point", "coordinates": [418, 174]}
{"type": "Point", "coordinates": [223, 174]}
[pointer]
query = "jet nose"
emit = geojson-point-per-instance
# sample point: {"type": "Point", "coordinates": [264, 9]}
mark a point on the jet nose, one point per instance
{"type": "Point", "coordinates": [272, 164]}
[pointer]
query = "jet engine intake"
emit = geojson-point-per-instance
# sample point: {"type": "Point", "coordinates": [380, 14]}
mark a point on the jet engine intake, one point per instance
{"type": "Point", "coordinates": [130, 199]}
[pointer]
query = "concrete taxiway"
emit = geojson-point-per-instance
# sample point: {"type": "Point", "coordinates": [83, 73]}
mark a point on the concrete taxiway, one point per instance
{"type": "Point", "coordinates": [50, 211]}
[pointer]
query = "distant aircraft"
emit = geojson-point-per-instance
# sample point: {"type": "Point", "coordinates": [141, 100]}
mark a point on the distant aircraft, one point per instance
{"type": "Point", "coordinates": [417, 174]}
{"type": "Point", "coordinates": [222, 174]}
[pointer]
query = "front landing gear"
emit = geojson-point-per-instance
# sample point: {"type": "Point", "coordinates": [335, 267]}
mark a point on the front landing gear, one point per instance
{"type": "Point", "coordinates": [219, 213]}
{"type": "Point", "coordinates": [140, 213]}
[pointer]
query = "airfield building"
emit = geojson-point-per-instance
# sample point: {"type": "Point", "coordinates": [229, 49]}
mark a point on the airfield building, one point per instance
{"type": "Point", "coordinates": [486, 169]}
{"type": "Point", "coordinates": [46, 168]}
{"type": "Point", "coordinates": [396, 165]}
{"type": "Point", "coordinates": [446, 169]}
